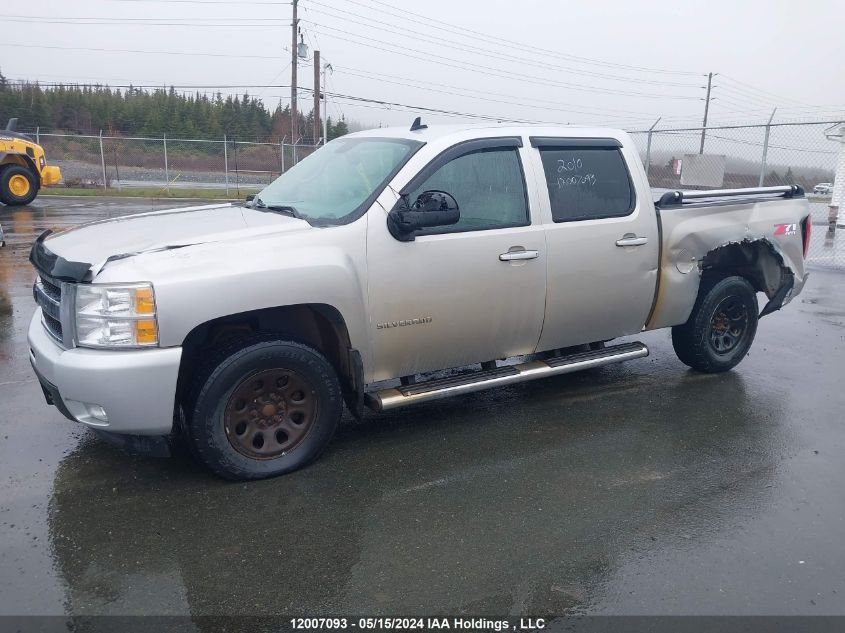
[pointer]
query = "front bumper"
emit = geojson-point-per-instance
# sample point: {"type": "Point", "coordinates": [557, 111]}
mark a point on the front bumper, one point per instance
{"type": "Point", "coordinates": [136, 389]}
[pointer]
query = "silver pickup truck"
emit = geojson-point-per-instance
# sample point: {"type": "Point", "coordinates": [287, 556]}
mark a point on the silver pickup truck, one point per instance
{"type": "Point", "coordinates": [384, 257]}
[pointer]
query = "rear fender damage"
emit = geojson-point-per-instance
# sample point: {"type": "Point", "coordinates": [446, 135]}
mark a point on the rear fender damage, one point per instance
{"type": "Point", "coordinates": [759, 260]}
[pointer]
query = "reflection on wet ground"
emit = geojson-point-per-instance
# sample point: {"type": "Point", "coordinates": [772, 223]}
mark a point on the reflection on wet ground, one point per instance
{"type": "Point", "coordinates": [641, 488]}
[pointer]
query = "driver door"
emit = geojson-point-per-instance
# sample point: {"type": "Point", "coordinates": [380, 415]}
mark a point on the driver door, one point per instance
{"type": "Point", "coordinates": [457, 294]}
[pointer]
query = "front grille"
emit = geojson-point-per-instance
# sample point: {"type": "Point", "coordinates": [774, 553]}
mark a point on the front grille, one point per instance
{"type": "Point", "coordinates": [48, 295]}
{"type": "Point", "coordinates": [52, 288]}
{"type": "Point", "coordinates": [53, 327]}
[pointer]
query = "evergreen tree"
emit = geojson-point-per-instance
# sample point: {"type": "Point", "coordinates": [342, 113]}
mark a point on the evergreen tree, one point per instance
{"type": "Point", "coordinates": [789, 177]}
{"type": "Point", "coordinates": [137, 112]}
{"type": "Point", "coordinates": [338, 129]}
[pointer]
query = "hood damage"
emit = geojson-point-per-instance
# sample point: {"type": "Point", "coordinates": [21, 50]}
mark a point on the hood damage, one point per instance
{"type": "Point", "coordinates": [61, 269]}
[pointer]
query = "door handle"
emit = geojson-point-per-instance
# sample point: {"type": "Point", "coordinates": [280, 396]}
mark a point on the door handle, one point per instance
{"type": "Point", "coordinates": [630, 239]}
{"type": "Point", "coordinates": [511, 256]}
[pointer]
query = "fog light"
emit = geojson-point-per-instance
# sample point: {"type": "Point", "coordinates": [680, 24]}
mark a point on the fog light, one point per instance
{"type": "Point", "coordinates": [88, 413]}
{"type": "Point", "coordinates": [97, 412]}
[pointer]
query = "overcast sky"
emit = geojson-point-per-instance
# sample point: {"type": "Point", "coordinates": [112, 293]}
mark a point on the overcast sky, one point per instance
{"type": "Point", "coordinates": [592, 61]}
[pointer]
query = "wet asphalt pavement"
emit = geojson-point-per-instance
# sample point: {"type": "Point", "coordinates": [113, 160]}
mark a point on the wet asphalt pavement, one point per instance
{"type": "Point", "coordinates": [642, 488]}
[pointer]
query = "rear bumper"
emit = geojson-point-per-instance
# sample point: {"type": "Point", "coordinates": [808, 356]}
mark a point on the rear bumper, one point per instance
{"type": "Point", "coordinates": [797, 287]}
{"type": "Point", "coordinates": [136, 389]}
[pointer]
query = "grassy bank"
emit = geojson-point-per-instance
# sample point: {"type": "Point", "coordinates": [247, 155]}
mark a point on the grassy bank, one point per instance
{"type": "Point", "coordinates": [149, 192]}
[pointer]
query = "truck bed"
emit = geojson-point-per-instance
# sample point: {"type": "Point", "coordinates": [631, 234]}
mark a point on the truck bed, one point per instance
{"type": "Point", "coordinates": [695, 224]}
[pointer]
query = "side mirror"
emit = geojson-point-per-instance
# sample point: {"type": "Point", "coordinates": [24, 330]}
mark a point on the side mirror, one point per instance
{"type": "Point", "coordinates": [431, 208]}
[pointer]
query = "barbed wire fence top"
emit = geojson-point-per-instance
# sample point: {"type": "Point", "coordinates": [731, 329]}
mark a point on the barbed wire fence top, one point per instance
{"type": "Point", "coordinates": [748, 155]}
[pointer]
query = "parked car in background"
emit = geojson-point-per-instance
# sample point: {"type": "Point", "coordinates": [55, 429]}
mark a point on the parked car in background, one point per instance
{"type": "Point", "coordinates": [385, 256]}
{"type": "Point", "coordinates": [823, 189]}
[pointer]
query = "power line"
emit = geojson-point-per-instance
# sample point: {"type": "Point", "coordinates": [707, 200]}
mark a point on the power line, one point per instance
{"type": "Point", "coordinates": [132, 50]}
{"type": "Point", "coordinates": [610, 112]}
{"type": "Point", "coordinates": [379, 26]}
{"type": "Point", "coordinates": [500, 101]}
{"type": "Point", "coordinates": [418, 83]}
{"type": "Point", "coordinates": [728, 90]}
{"type": "Point", "coordinates": [229, 2]}
{"type": "Point", "coordinates": [125, 22]}
{"type": "Point", "coordinates": [489, 70]}
{"type": "Point", "coordinates": [748, 87]}
{"type": "Point", "coordinates": [757, 144]}
{"type": "Point", "coordinates": [224, 22]}
{"type": "Point", "coordinates": [107, 20]}
{"type": "Point", "coordinates": [739, 104]}
{"type": "Point", "coordinates": [500, 41]}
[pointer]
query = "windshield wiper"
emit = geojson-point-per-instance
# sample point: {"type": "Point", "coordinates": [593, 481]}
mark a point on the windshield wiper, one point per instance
{"type": "Point", "coordinates": [285, 209]}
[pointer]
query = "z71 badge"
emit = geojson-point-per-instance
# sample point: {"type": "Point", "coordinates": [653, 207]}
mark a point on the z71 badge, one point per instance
{"type": "Point", "coordinates": [786, 229]}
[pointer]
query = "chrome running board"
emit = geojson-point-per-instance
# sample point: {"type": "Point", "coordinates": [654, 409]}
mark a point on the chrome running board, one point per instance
{"type": "Point", "coordinates": [394, 397]}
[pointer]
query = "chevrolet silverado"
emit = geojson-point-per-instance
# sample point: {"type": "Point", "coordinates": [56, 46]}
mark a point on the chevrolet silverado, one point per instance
{"type": "Point", "coordinates": [385, 256]}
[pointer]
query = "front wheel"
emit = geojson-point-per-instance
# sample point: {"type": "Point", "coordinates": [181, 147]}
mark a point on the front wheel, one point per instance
{"type": "Point", "coordinates": [265, 408]}
{"type": "Point", "coordinates": [721, 328]}
{"type": "Point", "coordinates": [18, 185]}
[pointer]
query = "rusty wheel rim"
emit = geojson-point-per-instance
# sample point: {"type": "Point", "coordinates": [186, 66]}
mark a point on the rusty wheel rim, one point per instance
{"type": "Point", "coordinates": [270, 413]}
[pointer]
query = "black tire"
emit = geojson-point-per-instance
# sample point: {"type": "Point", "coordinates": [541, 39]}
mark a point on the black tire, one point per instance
{"type": "Point", "coordinates": [721, 328]}
{"type": "Point", "coordinates": [215, 433]}
{"type": "Point", "coordinates": [2, 169]}
{"type": "Point", "coordinates": [7, 195]}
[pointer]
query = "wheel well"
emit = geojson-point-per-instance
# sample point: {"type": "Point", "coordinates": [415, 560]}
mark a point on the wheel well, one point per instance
{"type": "Point", "coordinates": [22, 160]}
{"type": "Point", "coordinates": [320, 326]}
{"type": "Point", "coordinates": [758, 261]}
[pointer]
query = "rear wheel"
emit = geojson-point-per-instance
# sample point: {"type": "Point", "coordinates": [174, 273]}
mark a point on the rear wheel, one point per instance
{"type": "Point", "coordinates": [263, 409]}
{"type": "Point", "coordinates": [721, 328]}
{"type": "Point", "coordinates": [18, 185]}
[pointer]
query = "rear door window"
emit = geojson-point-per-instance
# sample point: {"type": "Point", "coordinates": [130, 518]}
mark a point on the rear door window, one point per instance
{"type": "Point", "coordinates": [587, 183]}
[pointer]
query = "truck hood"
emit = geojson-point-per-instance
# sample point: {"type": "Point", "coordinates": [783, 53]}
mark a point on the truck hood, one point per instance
{"type": "Point", "coordinates": [81, 252]}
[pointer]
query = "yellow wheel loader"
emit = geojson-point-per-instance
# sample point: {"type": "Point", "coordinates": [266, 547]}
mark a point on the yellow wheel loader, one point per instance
{"type": "Point", "coordinates": [23, 167]}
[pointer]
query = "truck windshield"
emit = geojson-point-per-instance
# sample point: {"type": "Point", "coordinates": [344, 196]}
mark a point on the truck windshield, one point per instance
{"type": "Point", "coordinates": [337, 183]}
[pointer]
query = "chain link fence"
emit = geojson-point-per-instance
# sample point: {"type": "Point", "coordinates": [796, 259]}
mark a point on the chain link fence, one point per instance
{"type": "Point", "coordinates": [118, 162]}
{"type": "Point", "coordinates": [728, 157]}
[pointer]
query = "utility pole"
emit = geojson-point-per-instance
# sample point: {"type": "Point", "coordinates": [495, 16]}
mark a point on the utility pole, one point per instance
{"type": "Point", "coordinates": [325, 105]}
{"type": "Point", "coordinates": [294, 51]}
{"type": "Point", "coordinates": [706, 104]}
{"type": "Point", "coordinates": [317, 89]}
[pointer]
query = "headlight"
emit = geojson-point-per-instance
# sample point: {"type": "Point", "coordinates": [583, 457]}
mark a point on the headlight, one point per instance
{"type": "Point", "coordinates": [121, 315]}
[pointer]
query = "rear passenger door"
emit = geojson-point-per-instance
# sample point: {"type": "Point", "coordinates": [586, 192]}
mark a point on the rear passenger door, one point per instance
{"type": "Point", "coordinates": [603, 242]}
